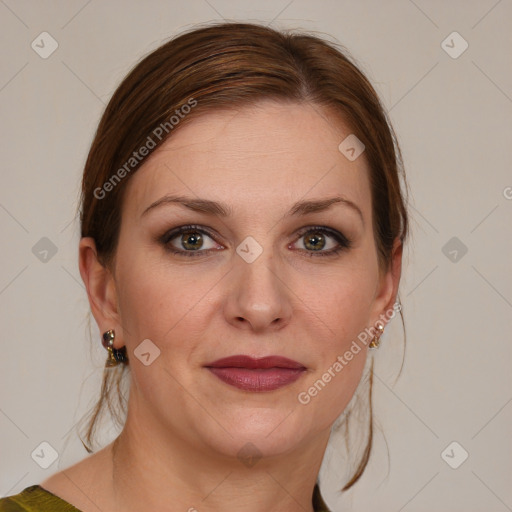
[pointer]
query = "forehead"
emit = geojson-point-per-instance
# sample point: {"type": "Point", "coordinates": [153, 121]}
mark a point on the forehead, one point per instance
{"type": "Point", "coordinates": [259, 157]}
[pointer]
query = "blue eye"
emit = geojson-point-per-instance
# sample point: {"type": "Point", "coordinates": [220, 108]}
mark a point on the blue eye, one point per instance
{"type": "Point", "coordinates": [193, 240]}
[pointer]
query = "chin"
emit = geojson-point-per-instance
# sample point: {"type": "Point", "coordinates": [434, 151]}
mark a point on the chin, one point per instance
{"type": "Point", "coordinates": [257, 432]}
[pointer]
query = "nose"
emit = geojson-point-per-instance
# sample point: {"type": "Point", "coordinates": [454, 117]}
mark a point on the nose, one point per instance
{"type": "Point", "coordinates": [259, 296]}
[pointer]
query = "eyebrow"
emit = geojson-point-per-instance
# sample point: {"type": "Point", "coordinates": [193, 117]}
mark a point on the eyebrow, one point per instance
{"type": "Point", "coordinates": [209, 207]}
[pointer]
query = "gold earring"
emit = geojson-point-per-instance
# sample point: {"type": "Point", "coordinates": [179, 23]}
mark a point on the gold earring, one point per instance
{"type": "Point", "coordinates": [115, 356]}
{"type": "Point", "coordinates": [376, 339]}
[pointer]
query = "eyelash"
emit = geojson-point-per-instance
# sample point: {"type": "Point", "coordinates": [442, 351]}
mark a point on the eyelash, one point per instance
{"type": "Point", "coordinates": [343, 241]}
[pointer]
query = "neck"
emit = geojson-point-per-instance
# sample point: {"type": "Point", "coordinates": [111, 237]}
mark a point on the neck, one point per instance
{"type": "Point", "coordinates": [155, 470]}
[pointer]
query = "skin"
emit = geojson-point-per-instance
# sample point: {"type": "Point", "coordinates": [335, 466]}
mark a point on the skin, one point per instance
{"type": "Point", "coordinates": [184, 428]}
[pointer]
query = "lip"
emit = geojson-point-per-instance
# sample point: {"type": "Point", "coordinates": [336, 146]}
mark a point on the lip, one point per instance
{"type": "Point", "coordinates": [262, 374]}
{"type": "Point", "coordinates": [242, 361]}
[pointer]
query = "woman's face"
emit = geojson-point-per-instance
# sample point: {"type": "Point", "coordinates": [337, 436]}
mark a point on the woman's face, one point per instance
{"type": "Point", "coordinates": [266, 279]}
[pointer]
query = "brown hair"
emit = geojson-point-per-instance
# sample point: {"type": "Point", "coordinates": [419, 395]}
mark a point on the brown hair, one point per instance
{"type": "Point", "coordinates": [223, 66]}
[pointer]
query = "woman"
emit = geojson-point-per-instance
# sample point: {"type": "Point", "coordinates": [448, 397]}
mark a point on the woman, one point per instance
{"type": "Point", "coordinates": [242, 222]}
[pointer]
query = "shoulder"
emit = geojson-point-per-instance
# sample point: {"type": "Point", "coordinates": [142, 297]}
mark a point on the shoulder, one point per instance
{"type": "Point", "coordinates": [83, 484]}
{"type": "Point", "coordinates": [35, 499]}
{"type": "Point", "coordinates": [69, 490]}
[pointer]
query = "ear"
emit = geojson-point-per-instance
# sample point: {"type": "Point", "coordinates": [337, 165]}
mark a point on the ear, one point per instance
{"type": "Point", "coordinates": [101, 290]}
{"type": "Point", "coordinates": [387, 288]}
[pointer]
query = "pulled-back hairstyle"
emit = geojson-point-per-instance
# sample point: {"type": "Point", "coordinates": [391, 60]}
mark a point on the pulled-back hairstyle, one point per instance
{"type": "Point", "coordinates": [222, 66]}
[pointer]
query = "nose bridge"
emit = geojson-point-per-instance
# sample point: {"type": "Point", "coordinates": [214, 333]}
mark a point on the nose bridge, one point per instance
{"type": "Point", "coordinates": [259, 295]}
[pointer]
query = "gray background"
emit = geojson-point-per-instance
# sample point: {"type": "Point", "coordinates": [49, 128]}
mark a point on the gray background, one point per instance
{"type": "Point", "coordinates": [453, 120]}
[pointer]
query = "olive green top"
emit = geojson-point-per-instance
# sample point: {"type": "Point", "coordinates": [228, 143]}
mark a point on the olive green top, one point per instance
{"type": "Point", "coordinates": [37, 499]}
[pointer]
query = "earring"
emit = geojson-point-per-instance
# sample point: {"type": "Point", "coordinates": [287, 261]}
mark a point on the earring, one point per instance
{"type": "Point", "coordinates": [115, 356]}
{"type": "Point", "coordinates": [376, 339]}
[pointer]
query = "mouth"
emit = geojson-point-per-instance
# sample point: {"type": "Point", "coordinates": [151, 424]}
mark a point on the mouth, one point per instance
{"type": "Point", "coordinates": [257, 375]}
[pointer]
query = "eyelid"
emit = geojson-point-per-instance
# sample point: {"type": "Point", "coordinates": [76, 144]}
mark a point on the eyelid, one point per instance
{"type": "Point", "coordinates": [179, 230]}
{"type": "Point", "coordinates": [330, 231]}
{"type": "Point", "coordinates": [343, 241]}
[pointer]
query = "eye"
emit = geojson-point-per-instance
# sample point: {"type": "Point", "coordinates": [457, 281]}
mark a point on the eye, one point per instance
{"type": "Point", "coordinates": [316, 238]}
{"type": "Point", "coordinates": [190, 241]}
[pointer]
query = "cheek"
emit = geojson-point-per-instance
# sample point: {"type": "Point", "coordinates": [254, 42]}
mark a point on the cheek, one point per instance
{"type": "Point", "coordinates": [162, 303]}
{"type": "Point", "coordinates": [150, 296]}
{"type": "Point", "coordinates": [344, 303]}
{"type": "Point", "coordinates": [325, 394]}
{"type": "Point", "coordinates": [340, 357]}
{"type": "Point", "coordinates": [344, 309]}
